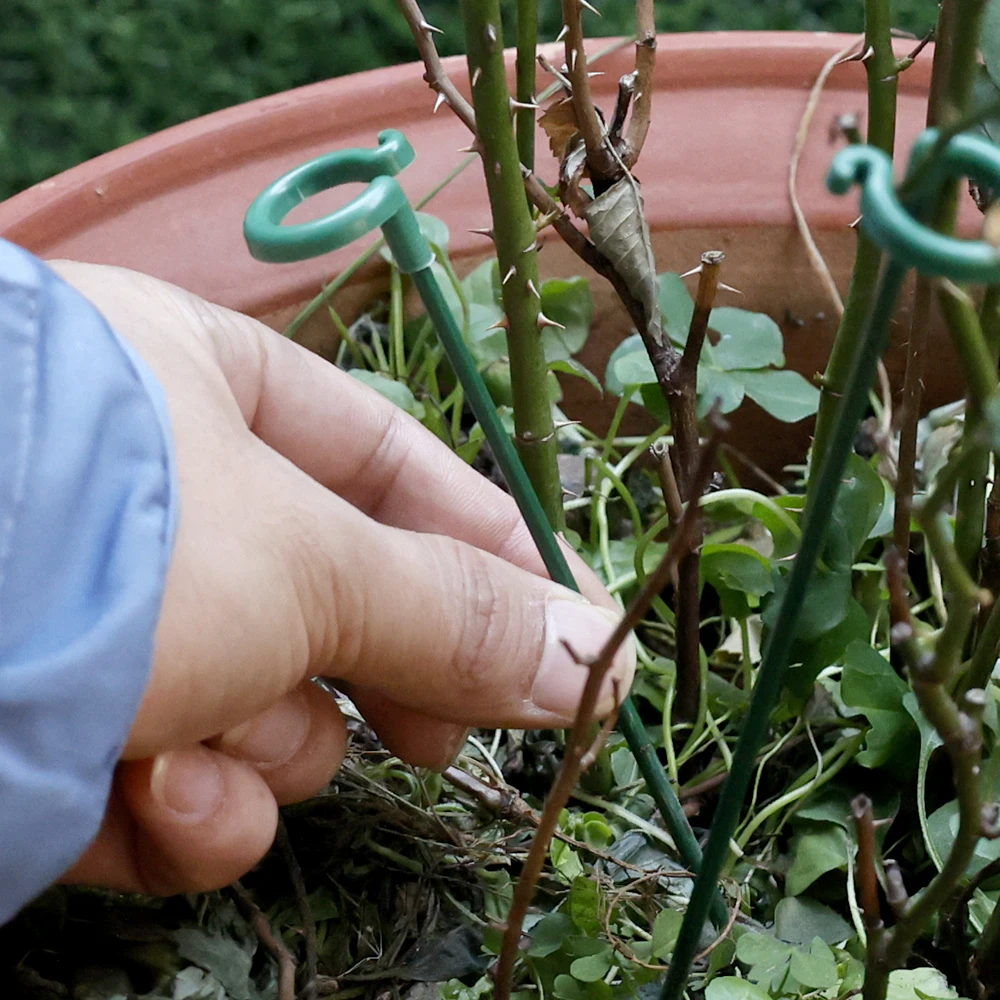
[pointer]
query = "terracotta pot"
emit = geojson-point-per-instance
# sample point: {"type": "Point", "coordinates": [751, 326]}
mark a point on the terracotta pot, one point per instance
{"type": "Point", "coordinates": [714, 173]}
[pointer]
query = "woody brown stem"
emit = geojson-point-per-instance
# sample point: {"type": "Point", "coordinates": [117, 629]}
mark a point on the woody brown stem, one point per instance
{"type": "Point", "coordinates": [580, 739]}
{"type": "Point", "coordinates": [645, 63]}
{"type": "Point", "coordinates": [601, 160]}
{"type": "Point", "coordinates": [681, 393]}
{"type": "Point", "coordinates": [437, 79]}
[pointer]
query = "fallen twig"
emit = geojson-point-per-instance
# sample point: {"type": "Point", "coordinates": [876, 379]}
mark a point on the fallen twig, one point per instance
{"type": "Point", "coordinates": [579, 741]}
{"type": "Point", "coordinates": [274, 945]}
{"type": "Point", "coordinates": [284, 843]}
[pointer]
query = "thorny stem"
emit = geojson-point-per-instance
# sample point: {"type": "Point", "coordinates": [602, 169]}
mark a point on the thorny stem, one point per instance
{"type": "Point", "coordinates": [959, 726]}
{"type": "Point", "coordinates": [774, 664]}
{"type": "Point", "coordinates": [683, 404]}
{"type": "Point", "coordinates": [867, 869]}
{"type": "Point", "coordinates": [970, 510]}
{"type": "Point", "coordinates": [601, 160]}
{"type": "Point", "coordinates": [645, 62]}
{"type": "Point", "coordinates": [959, 26]}
{"type": "Point", "coordinates": [913, 380]}
{"type": "Point", "coordinates": [537, 194]}
{"type": "Point", "coordinates": [579, 742]}
{"type": "Point", "coordinates": [882, 68]}
{"type": "Point", "coordinates": [961, 731]}
{"type": "Point", "coordinates": [913, 388]}
{"type": "Point", "coordinates": [527, 36]}
{"type": "Point", "coordinates": [516, 245]}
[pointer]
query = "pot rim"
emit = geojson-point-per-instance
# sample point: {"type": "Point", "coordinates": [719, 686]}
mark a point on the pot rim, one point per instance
{"type": "Point", "coordinates": [764, 58]}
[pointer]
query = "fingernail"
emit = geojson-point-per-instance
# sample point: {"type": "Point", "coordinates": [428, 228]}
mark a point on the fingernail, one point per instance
{"type": "Point", "coordinates": [274, 736]}
{"type": "Point", "coordinates": [452, 748]}
{"type": "Point", "coordinates": [188, 782]}
{"type": "Point", "coordinates": [560, 680]}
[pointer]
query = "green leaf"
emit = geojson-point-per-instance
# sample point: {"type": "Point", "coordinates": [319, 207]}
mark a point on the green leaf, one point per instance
{"type": "Point", "coordinates": [735, 572]}
{"type": "Point", "coordinates": [832, 804]}
{"type": "Point", "coordinates": [718, 386]}
{"type": "Point", "coordinates": [989, 40]}
{"type": "Point", "coordinates": [549, 934]}
{"type": "Point", "coordinates": [219, 955]}
{"type": "Point", "coordinates": [746, 339]}
{"type": "Point", "coordinates": [799, 919]}
{"type": "Point", "coordinates": [676, 306]}
{"type": "Point", "coordinates": [784, 394]}
{"type": "Point", "coordinates": [570, 366]}
{"type": "Point", "coordinates": [815, 849]}
{"type": "Point", "coordinates": [652, 398]}
{"type": "Point", "coordinates": [565, 860]}
{"type": "Point", "coordinates": [487, 342]}
{"type": "Point", "coordinates": [919, 984]}
{"type": "Point", "coordinates": [591, 968]}
{"type": "Point", "coordinates": [817, 968]}
{"type": "Point", "coordinates": [397, 392]}
{"type": "Point", "coordinates": [826, 603]}
{"type": "Point", "coordinates": [633, 368]}
{"type": "Point", "coordinates": [942, 827]}
{"type": "Point", "coordinates": [482, 285]}
{"type": "Point", "coordinates": [666, 927]}
{"type": "Point", "coordinates": [567, 301]}
{"type": "Point", "coordinates": [734, 988]}
{"type": "Point", "coordinates": [809, 657]}
{"type": "Point", "coordinates": [567, 988]}
{"type": "Point", "coordinates": [870, 686]}
{"type": "Point", "coordinates": [767, 957]}
{"type": "Point", "coordinates": [584, 905]}
{"type": "Point", "coordinates": [985, 95]}
{"type": "Point", "coordinates": [859, 503]}
{"type": "Point", "coordinates": [628, 346]}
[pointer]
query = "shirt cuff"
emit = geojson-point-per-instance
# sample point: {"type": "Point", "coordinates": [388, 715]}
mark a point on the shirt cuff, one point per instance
{"type": "Point", "coordinates": [88, 510]}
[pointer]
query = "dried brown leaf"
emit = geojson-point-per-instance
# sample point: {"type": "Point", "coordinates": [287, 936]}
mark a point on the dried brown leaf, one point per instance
{"type": "Point", "coordinates": [571, 172]}
{"type": "Point", "coordinates": [619, 229]}
{"type": "Point", "coordinates": [560, 125]}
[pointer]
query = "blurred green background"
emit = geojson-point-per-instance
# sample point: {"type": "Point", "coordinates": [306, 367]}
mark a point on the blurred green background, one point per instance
{"type": "Point", "coordinates": [79, 77]}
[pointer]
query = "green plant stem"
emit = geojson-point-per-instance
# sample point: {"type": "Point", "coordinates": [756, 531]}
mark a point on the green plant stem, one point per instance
{"type": "Point", "coordinates": [979, 368]}
{"type": "Point", "coordinates": [984, 657]}
{"type": "Point", "coordinates": [961, 732]}
{"type": "Point", "coordinates": [527, 40]}
{"type": "Point", "coordinates": [913, 380]}
{"type": "Point", "coordinates": [359, 262]}
{"type": "Point", "coordinates": [913, 388]}
{"type": "Point", "coordinates": [515, 238]}
{"type": "Point", "coordinates": [882, 70]}
{"type": "Point", "coordinates": [832, 460]}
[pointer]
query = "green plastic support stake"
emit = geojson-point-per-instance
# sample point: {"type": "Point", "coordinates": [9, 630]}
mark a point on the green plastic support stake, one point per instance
{"type": "Point", "coordinates": [383, 204]}
{"type": "Point", "coordinates": [893, 223]}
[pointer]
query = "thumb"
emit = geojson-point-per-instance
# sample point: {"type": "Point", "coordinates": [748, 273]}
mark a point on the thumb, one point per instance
{"type": "Point", "coordinates": [458, 633]}
{"type": "Point", "coordinates": [188, 820]}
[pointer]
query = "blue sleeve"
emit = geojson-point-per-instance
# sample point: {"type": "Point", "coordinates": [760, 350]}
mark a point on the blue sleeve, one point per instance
{"type": "Point", "coordinates": [88, 503]}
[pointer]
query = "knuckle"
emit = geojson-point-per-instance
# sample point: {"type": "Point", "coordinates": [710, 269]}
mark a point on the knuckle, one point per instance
{"type": "Point", "coordinates": [330, 626]}
{"type": "Point", "coordinates": [482, 613]}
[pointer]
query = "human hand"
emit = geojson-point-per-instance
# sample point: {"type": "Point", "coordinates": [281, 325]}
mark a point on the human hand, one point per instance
{"type": "Point", "coordinates": [322, 532]}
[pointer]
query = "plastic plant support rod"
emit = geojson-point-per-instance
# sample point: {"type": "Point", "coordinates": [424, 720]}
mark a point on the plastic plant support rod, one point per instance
{"type": "Point", "coordinates": [383, 204]}
{"type": "Point", "coordinates": [888, 220]}
{"type": "Point", "coordinates": [909, 244]}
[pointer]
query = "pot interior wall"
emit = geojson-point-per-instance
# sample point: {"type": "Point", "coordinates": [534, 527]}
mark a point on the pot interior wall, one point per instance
{"type": "Point", "coordinates": [769, 265]}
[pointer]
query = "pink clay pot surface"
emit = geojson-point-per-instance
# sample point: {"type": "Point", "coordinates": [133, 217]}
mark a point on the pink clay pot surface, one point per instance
{"type": "Point", "coordinates": [714, 174]}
